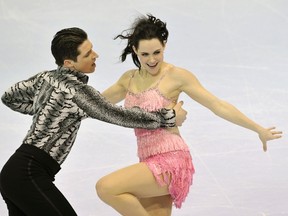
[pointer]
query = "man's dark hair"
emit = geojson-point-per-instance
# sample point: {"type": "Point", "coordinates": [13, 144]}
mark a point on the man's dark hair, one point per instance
{"type": "Point", "coordinates": [65, 44]}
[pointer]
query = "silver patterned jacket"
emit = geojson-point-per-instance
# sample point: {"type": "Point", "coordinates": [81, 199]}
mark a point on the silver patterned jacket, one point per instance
{"type": "Point", "coordinates": [60, 99]}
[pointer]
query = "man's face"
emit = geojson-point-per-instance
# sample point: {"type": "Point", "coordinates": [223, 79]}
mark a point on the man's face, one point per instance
{"type": "Point", "coordinates": [86, 59]}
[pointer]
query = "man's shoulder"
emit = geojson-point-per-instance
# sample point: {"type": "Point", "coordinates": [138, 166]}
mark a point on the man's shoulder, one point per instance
{"type": "Point", "coordinates": [64, 82]}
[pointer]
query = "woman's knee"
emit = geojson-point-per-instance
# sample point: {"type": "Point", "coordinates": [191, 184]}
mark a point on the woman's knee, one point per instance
{"type": "Point", "coordinates": [104, 189]}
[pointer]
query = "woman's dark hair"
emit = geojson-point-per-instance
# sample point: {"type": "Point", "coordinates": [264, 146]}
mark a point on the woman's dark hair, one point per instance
{"type": "Point", "coordinates": [65, 44]}
{"type": "Point", "coordinates": [144, 28]}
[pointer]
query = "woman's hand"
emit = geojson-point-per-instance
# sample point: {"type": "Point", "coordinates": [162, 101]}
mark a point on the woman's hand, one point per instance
{"type": "Point", "coordinates": [268, 134]}
{"type": "Point", "coordinates": [180, 113]}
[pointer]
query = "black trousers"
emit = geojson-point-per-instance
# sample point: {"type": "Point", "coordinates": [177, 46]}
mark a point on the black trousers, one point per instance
{"type": "Point", "coordinates": [26, 185]}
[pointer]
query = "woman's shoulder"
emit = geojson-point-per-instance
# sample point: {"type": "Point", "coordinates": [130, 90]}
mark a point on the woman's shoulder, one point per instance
{"type": "Point", "coordinates": [129, 73]}
{"type": "Point", "coordinates": [126, 76]}
{"type": "Point", "coordinates": [177, 71]}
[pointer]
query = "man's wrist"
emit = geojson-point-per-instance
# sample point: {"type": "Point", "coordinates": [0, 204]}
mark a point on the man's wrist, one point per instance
{"type": "Point", "coordinates": [168, 117]}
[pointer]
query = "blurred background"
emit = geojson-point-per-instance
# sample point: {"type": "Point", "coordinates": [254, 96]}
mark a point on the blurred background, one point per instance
{"type": "Point", "coordinates": [238, 49]}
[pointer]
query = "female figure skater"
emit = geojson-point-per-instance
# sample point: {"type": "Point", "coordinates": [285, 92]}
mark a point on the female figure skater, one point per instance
{"type": "Point", "coordinates": [165, 171]}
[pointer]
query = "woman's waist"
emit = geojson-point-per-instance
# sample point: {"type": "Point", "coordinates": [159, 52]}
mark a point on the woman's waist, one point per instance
{"type": "Point", "coordinates": [160, 143]}
{"type": "Point", "coordinates": [160, 138]}
{"type": "Point", "coordinates": [140, 132]}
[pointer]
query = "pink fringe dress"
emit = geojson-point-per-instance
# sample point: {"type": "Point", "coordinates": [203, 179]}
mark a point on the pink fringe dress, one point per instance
{"type": "Point", "coordinates": [165, 153]}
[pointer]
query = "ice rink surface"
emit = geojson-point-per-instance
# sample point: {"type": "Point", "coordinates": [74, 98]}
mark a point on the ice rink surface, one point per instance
{"type": "Point", "coordinates": [238, 49]}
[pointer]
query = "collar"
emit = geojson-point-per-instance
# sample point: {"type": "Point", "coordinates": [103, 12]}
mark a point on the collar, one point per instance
{"type": "Point", "coordinates": [79, 75]}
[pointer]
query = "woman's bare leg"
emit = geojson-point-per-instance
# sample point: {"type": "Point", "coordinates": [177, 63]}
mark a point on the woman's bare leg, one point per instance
{"type": "Point", "coordinates": [158, 206]}
{"type": "Point", "coordinates": [123, 188]}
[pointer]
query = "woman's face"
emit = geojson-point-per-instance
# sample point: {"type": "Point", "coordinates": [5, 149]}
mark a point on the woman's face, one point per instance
{"type": "Point", "coordinates": [151, 55]}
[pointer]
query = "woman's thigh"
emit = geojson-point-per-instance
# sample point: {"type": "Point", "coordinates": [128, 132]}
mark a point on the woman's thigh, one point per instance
{"type": "Point", "coordinates": [136, 179]}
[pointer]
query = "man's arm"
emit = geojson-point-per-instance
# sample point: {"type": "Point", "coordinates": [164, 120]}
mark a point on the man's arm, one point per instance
{"type": "Point", "coordinates": [96, 106]}
{"type": "Point", "coordinates": [19, 97]}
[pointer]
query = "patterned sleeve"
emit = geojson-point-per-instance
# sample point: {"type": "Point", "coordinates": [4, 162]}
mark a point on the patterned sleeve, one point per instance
{"type": "Point", "coordinates": [96, 106]}
{"type": "Point", "coordinates": [19, 97]}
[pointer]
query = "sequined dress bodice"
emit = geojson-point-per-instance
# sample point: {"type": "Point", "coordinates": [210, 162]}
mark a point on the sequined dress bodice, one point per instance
{"type": "Point", "coordinates": [152, 142]}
